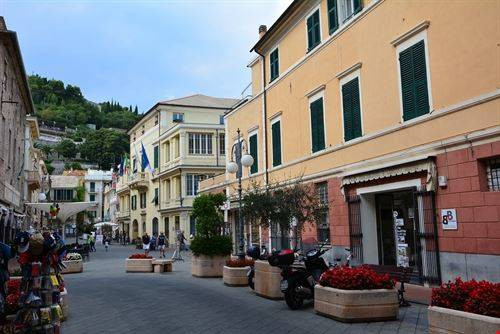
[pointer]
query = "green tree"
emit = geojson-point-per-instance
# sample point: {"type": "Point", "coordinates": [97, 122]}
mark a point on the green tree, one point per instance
{"type": "Point", "coordinates": [136, 110]}
{"type": "Point", "coordinates": [49, 167]}
{"type": "Point", "coordinates": [66, 148]}
{"type": "Point", "coordinates": [104, 147]}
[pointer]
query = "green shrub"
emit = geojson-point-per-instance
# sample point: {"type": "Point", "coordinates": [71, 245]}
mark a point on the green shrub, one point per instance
{"type": "Point", "coordinates": [213, 246]}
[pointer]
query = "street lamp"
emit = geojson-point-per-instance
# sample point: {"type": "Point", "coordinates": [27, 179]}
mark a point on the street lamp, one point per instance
{"type": "Point", "coordinates": [236, 166]}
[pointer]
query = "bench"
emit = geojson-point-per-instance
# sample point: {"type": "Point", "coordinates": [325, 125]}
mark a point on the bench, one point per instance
{"type": "Point", "coordinates": [400, 274]}
{"type": "Point", "coordinates": [161, 266]}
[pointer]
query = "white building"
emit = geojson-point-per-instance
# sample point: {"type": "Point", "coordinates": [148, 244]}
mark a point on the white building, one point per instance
{"type": "Point", "coordinates": [95, 181]}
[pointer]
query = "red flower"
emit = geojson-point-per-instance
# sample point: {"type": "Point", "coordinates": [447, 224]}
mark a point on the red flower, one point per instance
{"type": "Point", "coordinates": [239, 263]}
{"type": "Point", "coordinates": [359, 278]}
{"type": "Point", "coordinates": [140, 256]}
{"type": "Point", "coordinates": [471, 296]}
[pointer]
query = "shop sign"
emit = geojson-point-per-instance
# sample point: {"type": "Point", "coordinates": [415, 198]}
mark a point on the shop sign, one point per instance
{"type": "Point", "coordinates": [449, 219]}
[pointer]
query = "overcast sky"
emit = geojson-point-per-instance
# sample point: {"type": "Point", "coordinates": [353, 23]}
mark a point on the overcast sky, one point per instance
{"type": "Point", "coordinates": [141, 52]}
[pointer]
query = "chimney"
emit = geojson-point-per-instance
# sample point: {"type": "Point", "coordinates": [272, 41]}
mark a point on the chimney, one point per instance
{"type": "Point", "coordinates": [262, 30]}
{"type": "Point", "coordinates": [3, 26]}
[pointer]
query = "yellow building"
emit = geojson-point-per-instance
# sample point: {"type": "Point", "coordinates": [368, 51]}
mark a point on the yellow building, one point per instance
{"type": "Point", "coordinates": [392, 110]}
{"type": "Point", "coordinates": [184, 142]}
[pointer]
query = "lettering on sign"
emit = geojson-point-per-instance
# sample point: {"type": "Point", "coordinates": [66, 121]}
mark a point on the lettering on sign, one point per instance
{"type": "Point", "coordinates": [449, 219]}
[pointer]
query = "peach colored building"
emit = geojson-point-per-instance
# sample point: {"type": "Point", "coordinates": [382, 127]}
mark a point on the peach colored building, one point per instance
{"type": "Point", "coordinates": [392, 110]}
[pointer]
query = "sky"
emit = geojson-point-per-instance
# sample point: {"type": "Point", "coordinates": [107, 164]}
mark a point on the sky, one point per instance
{"type": "Point", "coordinates": [141, 52]}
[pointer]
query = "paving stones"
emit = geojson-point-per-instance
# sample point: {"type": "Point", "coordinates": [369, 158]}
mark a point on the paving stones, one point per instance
{"type": "Point", "coordinates": [104, 299]}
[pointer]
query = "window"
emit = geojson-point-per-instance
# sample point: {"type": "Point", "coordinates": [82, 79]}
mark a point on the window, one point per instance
{"type": "Point", "coordinates": [414, 90]}
{"type": "Point", "coordinates": [133, 202]}
{"type": "Point", "coordinates": [317, 125]}
{"type": "Point", "coordinates": [352, 109]}
{"type": "Point", "coordinates": [192, 181]}
{"type": "Point", "coordinates": [200, 143]}
{"type": "Point", "coordinates": [92, 214]}
{"type": "Point", "coordinates": [92, 197]}
{"type": "Point", "coordinates": [348, 8]}
{"type": "Point", "coordinates": [493, 174]}
{"type": "Point", "coordinates": [323, 224]}
{"type": "Point", "coordinates": [222, 144]}
{"type": "Point", "coordinates": [177, 223]}
{"type": "Point", "coordinates": [167, 227]}
{"type": "Point", "coordinates": [276, 141]}
{"type": "Point", "coordinates": [155, 198]}
{"type": "Point", "coordinates": [313, 31]}
{"type": "Point", "coordinates": [322, 191]}
{"type": "Point", "coordinates": [274, 64]}
{"type": "Point", "coordinates": [142, 200]}
{"type": "Point", "coordinates": [178, 117]}
{"type": "Point", "coordinates": [252, 140]}
{"type": "Point", "coordinates": [221, 119]}
{"type": "Point", "coordinates": [63, 195]}
{"type": "Point", "coordinates": [156, 120]}
{"type": "Point", "coordinates": [92, 186]}
{"type": "Point", "coordinates": [156, 156]}
{"type": "Point", "coordinates": [333, 16]}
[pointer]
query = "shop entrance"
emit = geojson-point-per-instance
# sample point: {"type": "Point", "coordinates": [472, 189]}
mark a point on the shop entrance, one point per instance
{"type": "Point", "coordinates": [396, 229]}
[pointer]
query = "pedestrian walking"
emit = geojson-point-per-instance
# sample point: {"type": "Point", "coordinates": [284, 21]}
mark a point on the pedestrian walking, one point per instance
{"type": "Point", "coordinates": [145, 243]}
{"type": "Point", "coordinates": [162, 244]}
{"type": "Point", "coordinates": [92, 243]}
{"type": "Point", "coordinates": [181, 238]}
{"type": "Point", "coordinates": [106, 243]}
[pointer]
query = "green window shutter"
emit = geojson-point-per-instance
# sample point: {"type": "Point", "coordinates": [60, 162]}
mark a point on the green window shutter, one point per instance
{"type": "Point", "coordinates": [357, 6]}
{"type": "Point", "coordinates": [414, 81]}
{"type": "Point", "coordinates": [310, 33]}
{"type": "Point", "coordinates": [317, 126]}
{"type": "Point", "coordinates": [254, 153]}
{"type": "Point", "coordinates": [274, 61]}
{"type": "Point", "coordinates": [333, 17]}
{"type": "Point", "coordinates": [155, 157]}
{"type": "Point", "coordinates": [352, 110]}
{"type": "Point", "coordinates": [313, 30]}
{"type": "Point", "coordinates": [276, 133]}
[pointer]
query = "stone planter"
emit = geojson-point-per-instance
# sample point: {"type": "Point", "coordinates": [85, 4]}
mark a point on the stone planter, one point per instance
{"type": "Point", "coordinates": [444, 320]}
{"type": "Point", "coordinates": [233, 276]}
{"type": "Point", "coordinates": [267, 280]}
{"type": "Point", "coordinates": [207, 266]}
{"type": "Point", "coordinates": [64, 304]}
{"type": "Point", "coordinates": [356, 305]}
{"type": "Point", "coordinates": [72, 266]}
{"type": "Point", "coordinates": [139, 265]}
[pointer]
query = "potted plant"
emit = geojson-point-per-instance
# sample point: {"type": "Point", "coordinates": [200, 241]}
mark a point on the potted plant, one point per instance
{"type": "Point", "coordinates": [210, 247]}
{"type": "Point", "coordinates": [139, 263]}
{"type": "Point", "coordinates": [235, 272]}
{"type": "Point", "coordinates": [465, 307]}
{"type": "Point", "coordinates": [356, 295]}
{"type": "Point", "coordinates": [73, 263]}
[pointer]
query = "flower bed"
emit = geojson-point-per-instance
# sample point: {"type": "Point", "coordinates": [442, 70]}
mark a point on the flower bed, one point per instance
{"type": "Point", "coordinates": [139, 263]}
{"type": "Point", "coordinates": [465, 307]}
{"type": "Point", "coordinates": [140, 256]}
{"type": "Point", "coordinates": [239, 263]}
{"type": "Point", "coordinates": [356, 295]}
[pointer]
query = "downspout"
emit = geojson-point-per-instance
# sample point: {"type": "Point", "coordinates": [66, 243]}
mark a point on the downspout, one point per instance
{"type": "Point", "coordinates": [264, 95]}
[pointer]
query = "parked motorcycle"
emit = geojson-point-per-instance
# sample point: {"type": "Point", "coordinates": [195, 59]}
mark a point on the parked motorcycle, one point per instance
{"type": "Point", "coordinates": [299, 279]}
{"type": "Point", "coordinates": [257, 254]}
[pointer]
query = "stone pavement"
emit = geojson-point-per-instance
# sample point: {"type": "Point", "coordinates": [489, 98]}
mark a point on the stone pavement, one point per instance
{"type": "Point", "coordinates": [105, 299]}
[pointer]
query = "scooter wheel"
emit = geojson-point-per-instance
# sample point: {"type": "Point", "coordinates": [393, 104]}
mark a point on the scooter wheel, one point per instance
{"type": "Point", "coordinates": [292, 299]}
{"type": "Point", "coordinates": [250, 283]}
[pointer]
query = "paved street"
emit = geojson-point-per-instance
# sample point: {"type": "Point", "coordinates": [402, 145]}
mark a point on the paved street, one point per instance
{"type": "Point", "coordinates": [105, 299]}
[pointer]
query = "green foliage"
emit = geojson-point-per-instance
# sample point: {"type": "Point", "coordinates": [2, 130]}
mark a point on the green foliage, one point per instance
{"type": "Point", "coordinates": [66, 148]}
{"type": "Point", "coordinates": [209, 219]}
{"type": "Point", "coordinates": [72, 165]}
{"type": "Point", "coordinates": [104, 147]}
{"type": "Point", "coordinates": [50, 168]}
{"type": "Point", "coordinates": [80, 194]}
{"type": "Point", "coordinates": [213, 246]}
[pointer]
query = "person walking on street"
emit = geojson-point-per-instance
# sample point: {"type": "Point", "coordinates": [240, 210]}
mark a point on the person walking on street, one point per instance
{"type": "Point", "coordinates": [106, 243]}
{"type": "Point", "coordinates": [162, 244]}
{"type": "Point", "coordinates": [92, 243]}
{"type": "Point", "coordinates": [145, 243]}
{"type": "Point", "coordinates": [182, 239]}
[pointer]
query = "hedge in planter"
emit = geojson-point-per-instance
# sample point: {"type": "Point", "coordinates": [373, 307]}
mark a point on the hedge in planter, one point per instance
{"type": "Point", "coordinates": [465, 307]}
{"type": "Point", "coordinates": [356, 295]}
{"type": "Point", "coordinates": [210, 248]}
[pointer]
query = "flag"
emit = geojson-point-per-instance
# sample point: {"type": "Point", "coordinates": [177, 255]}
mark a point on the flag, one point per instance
{"type": "Point", "coordinates": [121, 166]}
{"type": "Point", "coordinates": [126, 164]}
{"type": "Point", "coordinates": [135, 159]}
{"type": "Point", "coordinates": [145, 161]}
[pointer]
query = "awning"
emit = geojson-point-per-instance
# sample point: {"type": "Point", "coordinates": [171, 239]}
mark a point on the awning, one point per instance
{"type": "Point", "coordinates": [105, 224]}
{"type": "Point", "coordinates": [66, 209]}
{"type": "Point", "coordinates": [426, 165]}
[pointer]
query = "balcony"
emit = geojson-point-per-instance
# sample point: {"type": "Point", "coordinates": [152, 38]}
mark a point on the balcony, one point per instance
{"type": "Point", "coordinates": [170, 204]}
{"type": "Point", "coordinates": [122, 184]}
{"type": "Point", "coordinates": [123, 214]}
{"type": "Point", "coordinates": [33, 179]}
{"type": "Point", "coordinates": [139, 181]}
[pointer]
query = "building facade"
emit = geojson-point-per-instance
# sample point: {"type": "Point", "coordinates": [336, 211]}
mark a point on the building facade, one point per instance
{"type": "Point", "coordinates": [15, 105]}
{"type": "Point", "coordinates": [184, 142]}
{"type": "Point", "coordinates": [95, 182]}
{"type": "Point", "coordinates": [391, 110]}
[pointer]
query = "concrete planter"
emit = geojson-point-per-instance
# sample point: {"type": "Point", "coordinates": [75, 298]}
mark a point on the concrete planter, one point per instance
{"type": "Point", "coordinates": [139, 265]}
{"type": "Point", "coordinates": [267, 280]}
{"type": "Point", "coordinates": [235, 276]}
{"type": "Point", "coordinates": [356, 305]}
{"type": "Point", "coordinates": [444, 320]}
{"type": "Point", "coordinates": [64, 304]}
{"type": "Point", "coordinates": [72, 266]}
{"type": "Point", "coordinates": [207, 266]}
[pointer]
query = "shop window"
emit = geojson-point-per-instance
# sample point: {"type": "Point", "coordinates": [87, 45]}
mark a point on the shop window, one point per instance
{"type": "Point", "coordinates": [493, 174]}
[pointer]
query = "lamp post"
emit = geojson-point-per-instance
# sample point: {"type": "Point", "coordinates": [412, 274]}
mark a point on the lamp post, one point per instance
{"type": "Point", "coordinates": [245, 160]}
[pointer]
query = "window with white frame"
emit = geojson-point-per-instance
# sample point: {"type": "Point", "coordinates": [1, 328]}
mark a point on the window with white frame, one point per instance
{"type": "Point", "coordinates": [222, 144]}
{"type": "Point", "coordinates": [178, 117]}
{"type": "Point", "coordinates": [192, 182]}
{"type": "Point", "coordinates": [348, 8]}
{"type": "Point", "coordinates": [200, 143]}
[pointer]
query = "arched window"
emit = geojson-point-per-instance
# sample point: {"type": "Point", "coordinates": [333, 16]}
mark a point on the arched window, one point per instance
{"type": "Point", "coordinates": [155, 226]}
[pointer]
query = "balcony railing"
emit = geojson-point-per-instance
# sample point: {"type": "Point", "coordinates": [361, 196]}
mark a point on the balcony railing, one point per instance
{"type": "Point", "coordinates": [139, 180]}
{"type": "Point", "coordinates": [170, 203]}
{"type": "Point", "coordinates": [123, 214]}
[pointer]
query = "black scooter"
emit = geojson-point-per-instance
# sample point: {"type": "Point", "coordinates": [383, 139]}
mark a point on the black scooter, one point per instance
{"type": "Point", "coordinates": [299, 279]}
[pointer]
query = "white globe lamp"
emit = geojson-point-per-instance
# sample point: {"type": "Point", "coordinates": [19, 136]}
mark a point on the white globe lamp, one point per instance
{"type": "Point", "coordinates": [41, 197]}
{"type": "Point", "coordinates": [232, 167]}
{"type": "Point", "coordinates": [247, 160]}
